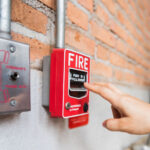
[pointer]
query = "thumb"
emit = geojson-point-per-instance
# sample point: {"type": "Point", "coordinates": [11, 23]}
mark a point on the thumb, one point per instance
{"type": "Point", "coordinates": [120, 124]}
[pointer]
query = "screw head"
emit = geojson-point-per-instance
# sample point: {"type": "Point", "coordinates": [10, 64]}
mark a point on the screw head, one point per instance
{"type": "Point", "coordinates": [85, 107]}
{"type": "Point", "coordinates": [12, 48]}
{"type": "Point", "coordinates": [14, 76]}
{"type": "Point", "coordinates": [13, 102]}
{"type": "Point", "coordinates": [68, 105]}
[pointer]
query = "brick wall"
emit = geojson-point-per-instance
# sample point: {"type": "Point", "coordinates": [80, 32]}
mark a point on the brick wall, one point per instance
{"type": "Point", "coordinates": [115, 33]}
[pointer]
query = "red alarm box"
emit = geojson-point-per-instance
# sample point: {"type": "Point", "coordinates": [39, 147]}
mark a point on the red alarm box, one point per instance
{"type": "Point", "coordinates": [68, 96]}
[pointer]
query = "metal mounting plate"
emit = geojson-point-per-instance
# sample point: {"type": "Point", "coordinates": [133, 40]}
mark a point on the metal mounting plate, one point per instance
{"type": "Point", "coordinates": [14, 77]}
{"type": "Point", "coordinates": [46, 81]}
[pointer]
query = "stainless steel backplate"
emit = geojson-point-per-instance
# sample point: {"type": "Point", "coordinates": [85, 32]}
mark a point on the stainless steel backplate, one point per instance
{"type": "Point", "coordinates": [14, 77]}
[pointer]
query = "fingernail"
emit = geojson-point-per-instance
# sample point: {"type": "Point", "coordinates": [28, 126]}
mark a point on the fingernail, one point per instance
{"type": "Point", "coordinates": [104, 124]}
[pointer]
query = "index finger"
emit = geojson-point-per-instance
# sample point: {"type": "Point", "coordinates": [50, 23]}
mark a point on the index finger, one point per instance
{"type": "Point", "coordinates": [108, 94]}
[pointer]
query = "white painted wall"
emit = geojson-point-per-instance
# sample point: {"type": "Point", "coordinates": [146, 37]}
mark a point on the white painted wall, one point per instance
{"type": "Point", "coordinates": [35, 130]}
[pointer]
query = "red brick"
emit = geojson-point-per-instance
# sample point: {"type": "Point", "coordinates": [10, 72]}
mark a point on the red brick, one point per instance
{"type": "Point", "coordinates": [147, 36]}
{"type": "Point", "coordinates": [118, 29]}
{"type": "Point", "coordinates": [140, 81]}
{"type": "Point", "coordinates": [121, 33]}
{"type": "Point", "coordinates": [137, 57]}
{"type": "Point", "coordinates": [130, 66]}
{"type": "Point", "coordinates": [111, 6]}
{"type": "Point", "coordinates": [133, 55]}
{"type": "Point", "coordinates": [128, 25]}
{"type": "Point", "coordinates": [147, 45]}
{"type": "Point", "coordinates": [121, 17]}
{"type": "Point", "coordinates": [131, 41]}
{"type": "Point", "coordinates": [102, 14]}
{"type": "Point", "coordinates": [101, 69]}
{"type": "Point", "coordinates": [121, 46]}
{"type": "Point", "coordinates": [142, 51]}
{"type": "Point", "coordinates": [134, 6]}
{"type": "Point", "coordinates": [115, 27]}
{"type": "Point", "coordinates": [135, 34]}
{"type": "Point", "coordinates": [77, 16]}
{"type": "Point", "coordinates": [124, 5]}
{"type": "Point", "coordinates": [28, 16]}
{"type": "Point", "coordinates": [142, 72]}
{"type": "Point", "coordinates": [143, 5]}
{"type": "Point", "coordinates": [88, 4]}
{"type": "Point", "coordinates": [129, 12]}
{"type": "Point", "coordinates": [117, 60]}
{"type": "Point", "coordinates": [102, 34]}
{"type": "Point", "coordinates": [49, 3]}
{"type": "Point", "coordinates": [80, 41]}
{"type": "Point", "coordinates": [141, 39]}
{"type": "Point", "coordinates": [130, 78]}
{"type": "Point", "coordinates": [145, 63]}
{"type": "Point", "coordinates": [37, 48]}
{"type": "Point", "coordinates": [119, 75]}
{"type": "Point", "coordinates": [132, 3]}
{"type": "Point", "coordinates": [102, 52]}
{"type": "Point", "coordinates": [136, 9]}
{"type": "Point", "coordinates": [142, 17]}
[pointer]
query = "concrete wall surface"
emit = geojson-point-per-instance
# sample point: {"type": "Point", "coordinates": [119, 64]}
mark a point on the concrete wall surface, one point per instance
{"type": "Point", "coordinates": [35, 130]}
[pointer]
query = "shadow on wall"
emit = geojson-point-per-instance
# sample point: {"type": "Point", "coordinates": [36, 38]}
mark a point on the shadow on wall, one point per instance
{"type": "Point", "coordinates": [11, 117]}
{"type": "Point", "coordinates": [57, 122]}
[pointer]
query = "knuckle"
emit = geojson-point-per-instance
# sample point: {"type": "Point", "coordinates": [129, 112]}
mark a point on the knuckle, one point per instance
{"type": "Point", "coordinates": [122, 99]}
{"type": "Point", "coordinates": [109, 85]}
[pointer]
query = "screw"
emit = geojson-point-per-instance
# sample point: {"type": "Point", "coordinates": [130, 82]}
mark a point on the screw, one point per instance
{"type": "Point", "coordinates": [13, 102]}
{"type": "Point", "coordinates": [68, 105]}
{"type": "Point", "coordinates": [85, 107]}
{"type": "Point", "coordinates": [12, 48]}
{"type": "Point", "coordinates": [14, 76]}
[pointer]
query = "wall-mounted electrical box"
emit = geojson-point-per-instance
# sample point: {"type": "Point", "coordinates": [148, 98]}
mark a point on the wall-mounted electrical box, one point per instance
{"type": "Point", "coordinates": [14, 77]}
{"type": "Point", "coordinates": [68, 72]}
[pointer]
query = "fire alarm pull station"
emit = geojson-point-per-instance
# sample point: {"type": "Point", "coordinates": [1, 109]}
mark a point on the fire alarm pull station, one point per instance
{"type": "Point", "coordinates": [68, 98]}
{"type": "Point", "coordinates": [14, 77]}
{"type": "Point", "coordinates": [69, 71]}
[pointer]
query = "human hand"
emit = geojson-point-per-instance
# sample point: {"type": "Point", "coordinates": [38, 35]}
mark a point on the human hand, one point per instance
{"type": "Point", "coordinates": [130, 114]}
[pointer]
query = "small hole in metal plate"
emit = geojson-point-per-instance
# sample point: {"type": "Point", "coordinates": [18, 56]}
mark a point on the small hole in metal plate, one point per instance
{"type": "Point", "coordinates": [14, 76]}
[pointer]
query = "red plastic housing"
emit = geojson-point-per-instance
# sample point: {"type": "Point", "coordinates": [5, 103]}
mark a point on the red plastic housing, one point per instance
{"type": "Point", "coordinates": [69, 70]}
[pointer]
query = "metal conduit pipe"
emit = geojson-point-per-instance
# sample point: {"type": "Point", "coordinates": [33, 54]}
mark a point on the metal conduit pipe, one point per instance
{"type": "Point", "coordinates": [5, 21]}
{"type": "Point", "coordinates": [60, 24]}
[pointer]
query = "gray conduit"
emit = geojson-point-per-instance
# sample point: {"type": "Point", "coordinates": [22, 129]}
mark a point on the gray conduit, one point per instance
{"type": "Point", "coordinates": [60, 24]}
{"type": "Point", "coordinates": [5, 21]}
